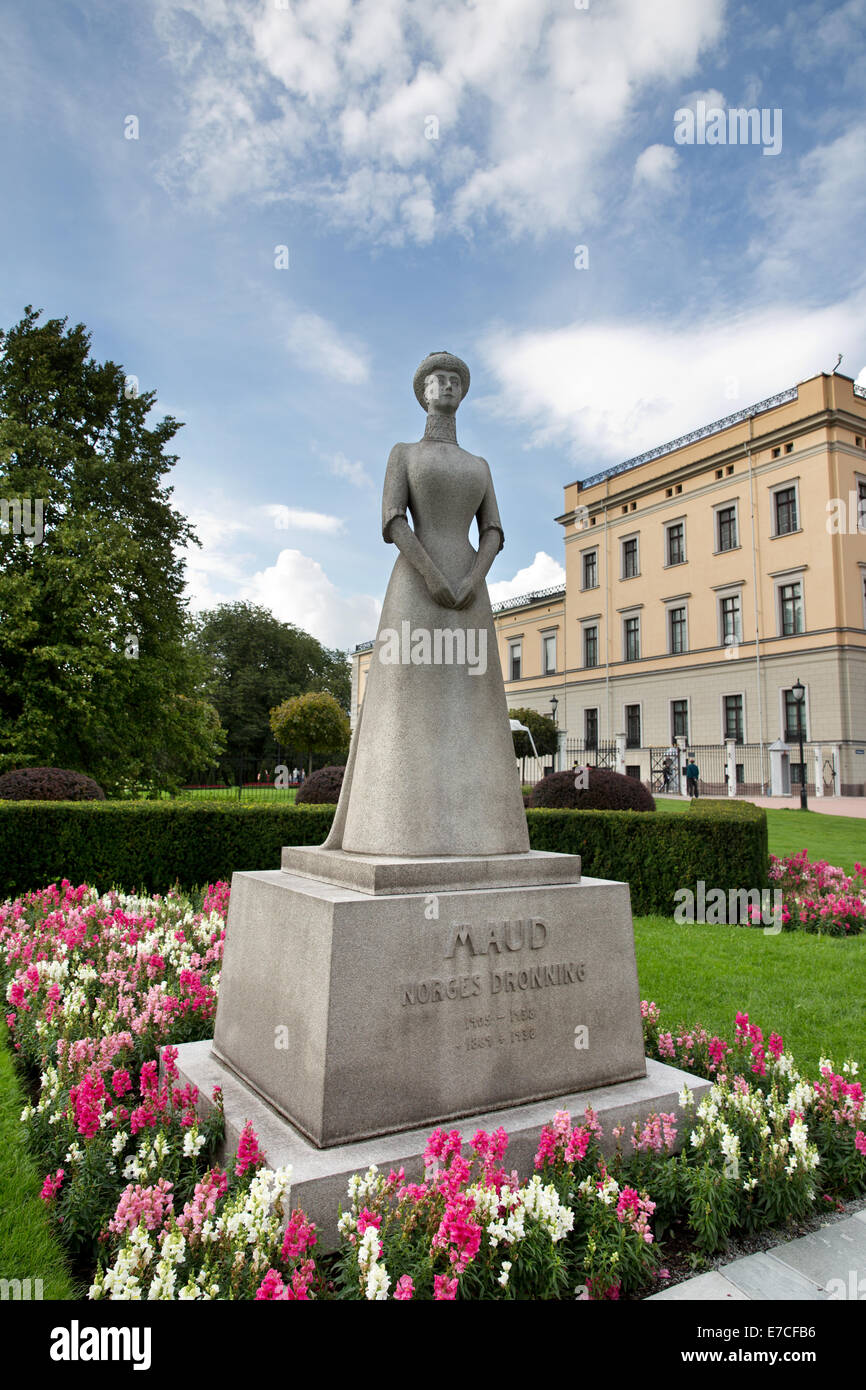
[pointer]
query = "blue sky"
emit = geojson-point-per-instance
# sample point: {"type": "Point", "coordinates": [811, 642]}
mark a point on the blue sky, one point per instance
{"type": "Point", "coordinates": [716, 274]}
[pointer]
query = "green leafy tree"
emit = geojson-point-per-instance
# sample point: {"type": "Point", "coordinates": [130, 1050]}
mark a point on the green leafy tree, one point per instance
{"type": "Point", "coordinates": [314, 722]}
{"type": "Point", "coordinates": [96, 670]}
{"type": "Point", "coordinates": [543, 731]}
{"type": "Point", "coordinates": [255, 662]}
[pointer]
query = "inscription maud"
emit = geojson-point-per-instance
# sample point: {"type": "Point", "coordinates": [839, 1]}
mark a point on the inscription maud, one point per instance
{"type": "Point", "coordinates": [497, 941]}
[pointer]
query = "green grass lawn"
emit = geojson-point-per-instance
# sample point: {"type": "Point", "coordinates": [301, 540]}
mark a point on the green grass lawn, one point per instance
{"type": "Point", "coordinates": [28, 1249]}
{"type": "Point", "coordinates": [808, 988]}
{"type": "Point", "coordinates": [840, 840]}
{"type": "Point", "coordinates": [249, 793]}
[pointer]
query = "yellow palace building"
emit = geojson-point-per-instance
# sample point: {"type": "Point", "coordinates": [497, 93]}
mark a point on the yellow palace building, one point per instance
{"type": "Point", "coordinates": [707, 581]}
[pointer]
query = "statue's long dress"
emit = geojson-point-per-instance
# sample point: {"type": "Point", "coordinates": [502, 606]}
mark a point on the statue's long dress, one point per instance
{"type": "Point", "coordinates": [431, 769]}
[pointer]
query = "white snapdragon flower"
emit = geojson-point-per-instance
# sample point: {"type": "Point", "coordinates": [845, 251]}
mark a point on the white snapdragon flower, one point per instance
{"type": "Point", "coordinates": [369, 1248]}
{"type": "Point", "coordinates": [541, 1201]}
{"type": "Point", "coordinates": [377, 1283]}
{"type": "Point", "coordinates": [506, 1270]}
{"type": "Point", "coordinates": [193, 1142]}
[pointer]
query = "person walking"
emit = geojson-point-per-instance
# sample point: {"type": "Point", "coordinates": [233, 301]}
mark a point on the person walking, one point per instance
{"type": "Point", "coordinates": [692, 775]}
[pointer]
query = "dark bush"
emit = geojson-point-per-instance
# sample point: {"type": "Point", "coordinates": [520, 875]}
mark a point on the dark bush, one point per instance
{"type": "Point", "coordinates": [48, 784]}
{"type": "Point", "coordinates": [153, 845]}
{"type": "Point", "coordinates": [321, 788]}
{"type": "Point", "coordinates": [607, 791]}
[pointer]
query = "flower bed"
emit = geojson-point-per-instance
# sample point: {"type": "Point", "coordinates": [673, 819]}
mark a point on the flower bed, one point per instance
{"type": "Point", "coordinates": [816, 897]}
{"type": "Point", "coordinates": [97, 985]}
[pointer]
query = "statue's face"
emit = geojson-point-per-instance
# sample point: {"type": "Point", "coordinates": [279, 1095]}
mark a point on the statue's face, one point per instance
{"type": "Point", "coordinates": [442, 392]}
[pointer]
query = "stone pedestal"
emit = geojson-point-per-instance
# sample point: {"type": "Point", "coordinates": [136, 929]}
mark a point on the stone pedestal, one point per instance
{"type": "Point", "coordinates": [357, 1012]}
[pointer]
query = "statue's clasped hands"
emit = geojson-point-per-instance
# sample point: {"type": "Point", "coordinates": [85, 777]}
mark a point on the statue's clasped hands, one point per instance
{"type": "Point", "coordinates": [447, 597]}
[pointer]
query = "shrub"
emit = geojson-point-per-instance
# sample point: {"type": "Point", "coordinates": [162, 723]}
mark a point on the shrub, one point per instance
{"type": "Point", "coordinates": [659, 855]}
{"type": "Point", "coordinates": [154, 845]}
{"type": "Point", "coordinates": [322, 787]}
{"type": "Point", "coordinates": [48, 784]}
{"type": "Point", "coordinates": [607, 791]}
{"type": "Point", "coordinates": [151, 845]}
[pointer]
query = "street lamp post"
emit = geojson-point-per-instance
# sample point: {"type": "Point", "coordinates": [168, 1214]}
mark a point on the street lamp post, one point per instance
{"type": "Point", "coordinates": [554, 705]}
{"type": "Point", "coordinates": [799, 693]}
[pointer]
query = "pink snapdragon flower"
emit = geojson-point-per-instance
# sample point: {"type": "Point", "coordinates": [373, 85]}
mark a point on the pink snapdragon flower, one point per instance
{"type": "Point", "coordinates": [152, 1205]}
{"type": "Point", "coordinates": [444, 1289]}
{"type": "Point", "coordinates": [300, 1235]}
{"type": "Point", "coordinates": [52, 1186]}
{"type": "Point", "coordinates": [249, 1154]}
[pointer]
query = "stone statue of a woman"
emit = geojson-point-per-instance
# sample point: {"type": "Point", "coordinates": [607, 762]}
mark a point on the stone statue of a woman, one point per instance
{"type": "Point", "coordinates": [431, 769]}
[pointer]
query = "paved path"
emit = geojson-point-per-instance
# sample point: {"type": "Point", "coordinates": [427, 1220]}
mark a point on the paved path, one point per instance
{"type": "Point", "coordinates": [827, 1264]}
{"type": "Point", "coordinates": [824, 805]}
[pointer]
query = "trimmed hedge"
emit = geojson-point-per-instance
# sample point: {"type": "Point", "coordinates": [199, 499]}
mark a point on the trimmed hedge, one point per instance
{"type": "Point", "coordinates": [725, 844]}
{"type": "Point", "coordinates": [147, 844]}
{"type": "Point", "coordinates": [153, 845]}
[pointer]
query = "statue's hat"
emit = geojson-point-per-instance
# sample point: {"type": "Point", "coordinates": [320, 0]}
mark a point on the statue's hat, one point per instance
{"type": "Point", "coordinates": [440, 362]}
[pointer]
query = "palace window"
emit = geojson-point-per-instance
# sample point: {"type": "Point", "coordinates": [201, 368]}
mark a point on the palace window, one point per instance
{"type": "Point", "coordinates": [726, 524]}
{"type": "Point", "coordinates": [677, 623]}
{"type": "Point", "coordinates": [632, 726]}
{"type": "Point", "coordinates": [731, 620]}
{"type": "Point", "coordinates": [795, 716]}
{"type": "Point", "coordinates": [630, 558]}
{"type": "Point", "coordinates": [733, 718]}
{"type": "Point", "coordinates": [785, 507]}
{"type": "Point", "coordinates": [791, 609]}
{"type": "Point", "coordinates": [679, 719]}
{"type": "Point", "coordinates": [676, 543]}
{"type": "Point", "coordinates": [590, 728]}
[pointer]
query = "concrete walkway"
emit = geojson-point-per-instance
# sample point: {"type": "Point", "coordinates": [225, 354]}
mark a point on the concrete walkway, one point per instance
{"type": "Point", "coordinates": [828, 1264]}
{"type": "Point", "coordinates": [825, 805]}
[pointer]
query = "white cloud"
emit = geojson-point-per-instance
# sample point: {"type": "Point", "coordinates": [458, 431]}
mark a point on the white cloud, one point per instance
{"type": "Point", "coordinates": [543, 573]}
{"type": "Point", "coordinates": [228, 569]}
{"type": "Point", "coordinates": [811, 216]}
{"type": "Point", "coordinates": [327, 101]}
{"type": "Point", "coordinates": [711, 98]}
{"type": "Point", "coordinates": [656, 166]}
{"type": "Point", "coordinates": [355, 473]}
{"type": "Point", "coordinates": [294, 519]}
{"type": "Point", "coordinates": [319, 347]}
{"type": "Point", "coordinates": [297, 590]}
{"type": "Point", "coordinates": [610, 390]}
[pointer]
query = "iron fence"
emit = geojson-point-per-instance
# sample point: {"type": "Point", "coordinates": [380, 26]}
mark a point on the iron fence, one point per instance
{"type": "Point", "coordinates": [662, 769]}
{"type": "Point", "coordinates": [243, 779]}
